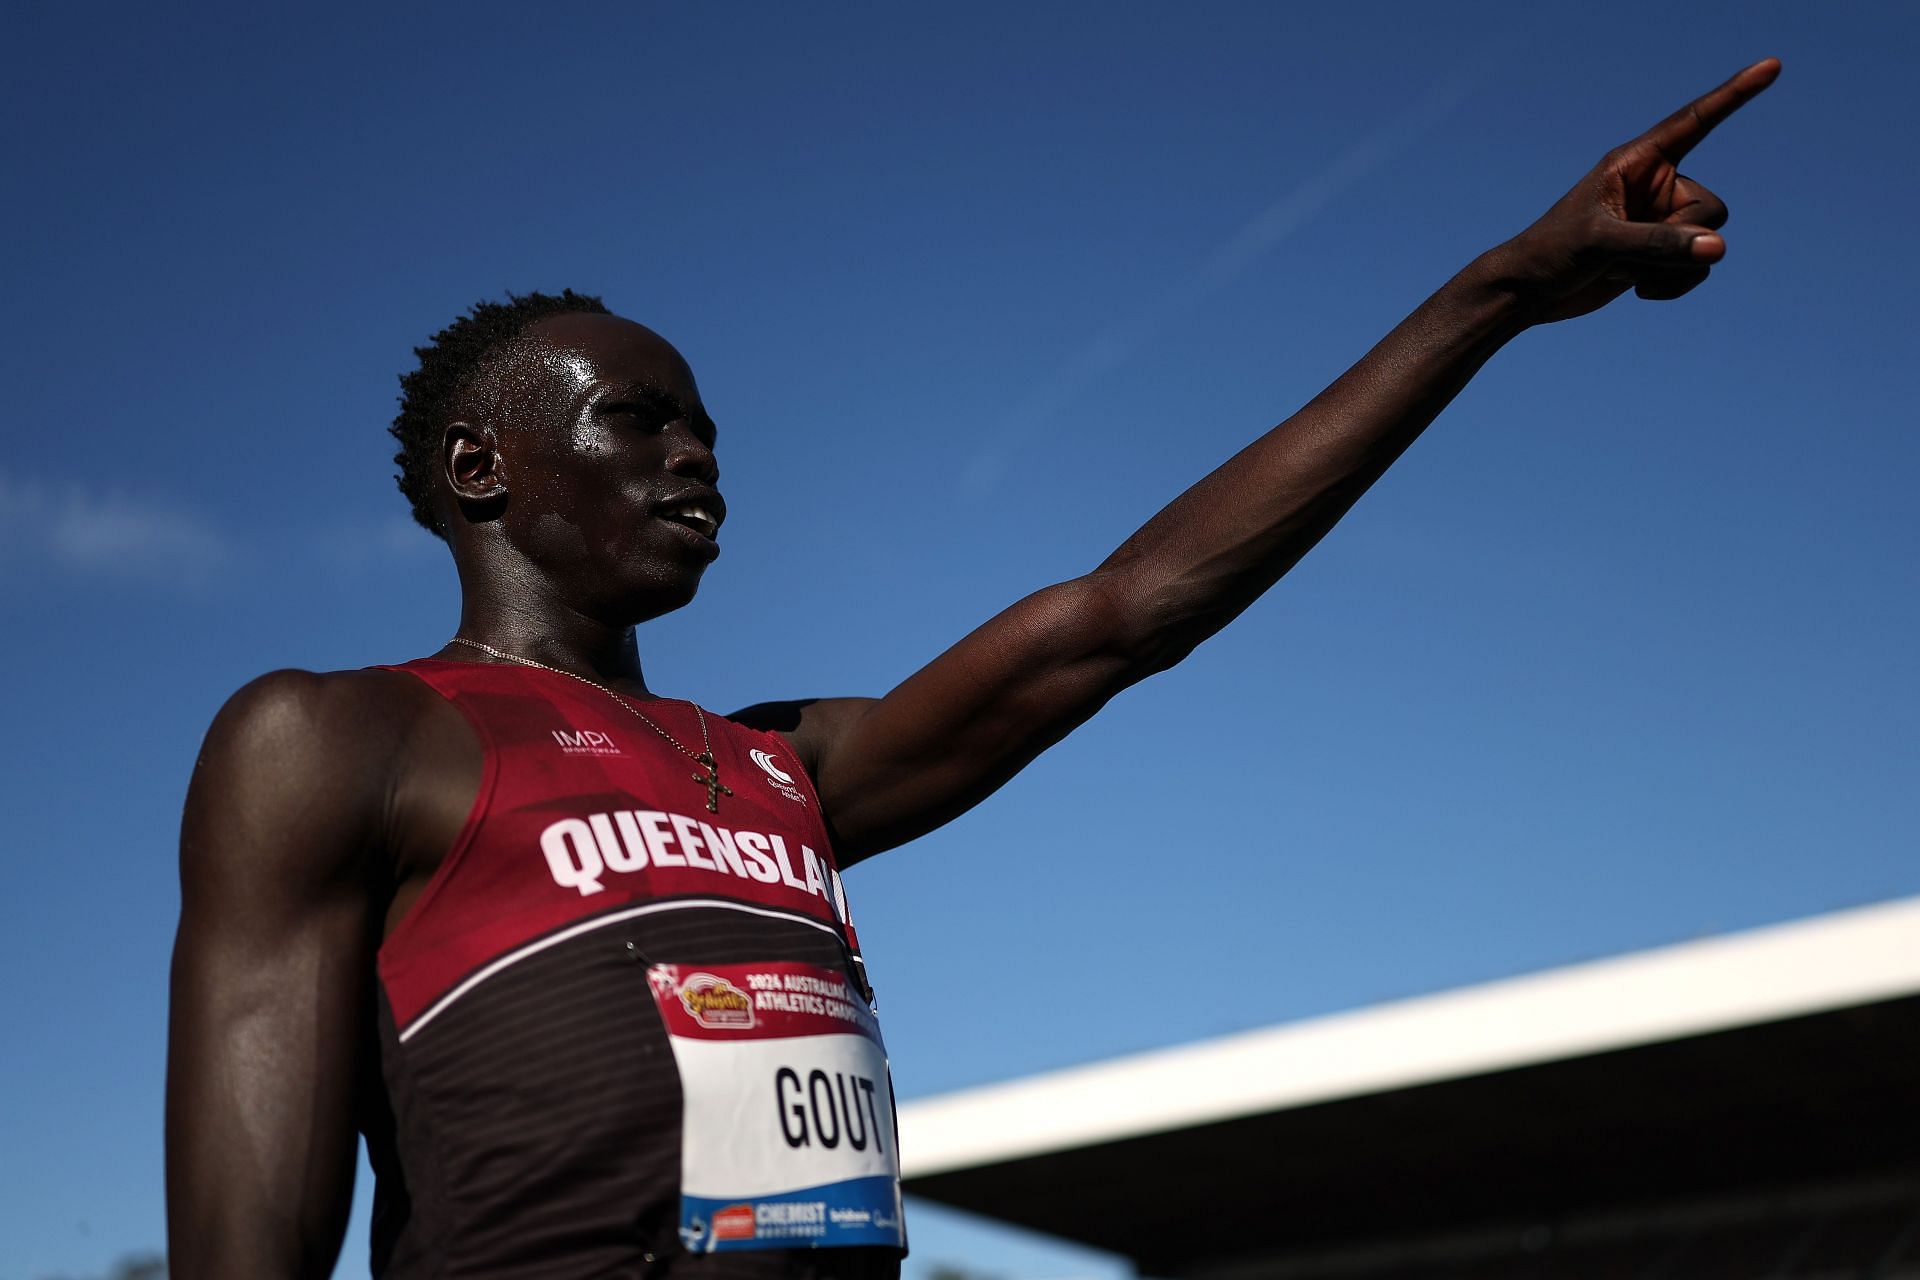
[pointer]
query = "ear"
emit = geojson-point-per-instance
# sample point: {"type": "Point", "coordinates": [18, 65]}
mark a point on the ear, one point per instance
{"type": "Point", "coordinates": [473, 468]}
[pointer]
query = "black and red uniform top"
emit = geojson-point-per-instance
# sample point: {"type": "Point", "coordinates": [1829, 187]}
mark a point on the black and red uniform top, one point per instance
{"type": "Point", "coordinates": [530, 1122]}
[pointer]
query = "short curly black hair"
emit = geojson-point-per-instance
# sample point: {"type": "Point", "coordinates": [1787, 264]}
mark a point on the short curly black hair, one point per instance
{"type": "Point", "coordinates": [448, 364]}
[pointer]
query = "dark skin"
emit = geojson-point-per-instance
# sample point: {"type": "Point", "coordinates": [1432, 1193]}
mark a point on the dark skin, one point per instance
{"type": "Point", "coordinates": [322, 803]}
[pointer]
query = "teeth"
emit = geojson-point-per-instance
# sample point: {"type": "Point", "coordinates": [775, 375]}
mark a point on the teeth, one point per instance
{"type": "Point", "coordinates": [695, 514]}
{"type": "Point", "coordinates": [693, 509]}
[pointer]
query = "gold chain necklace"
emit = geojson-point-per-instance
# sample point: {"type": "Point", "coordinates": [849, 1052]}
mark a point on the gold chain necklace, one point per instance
{"type": "Point", "coordinates": [710, 780]}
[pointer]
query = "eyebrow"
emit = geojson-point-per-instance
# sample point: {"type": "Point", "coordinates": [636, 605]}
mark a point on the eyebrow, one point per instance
{"type": "Point", "coordinates": [660, 397]}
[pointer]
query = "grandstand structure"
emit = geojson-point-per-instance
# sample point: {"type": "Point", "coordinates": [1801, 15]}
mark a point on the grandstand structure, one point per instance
{"type": "Point", "coordinates": [1744, 1106]}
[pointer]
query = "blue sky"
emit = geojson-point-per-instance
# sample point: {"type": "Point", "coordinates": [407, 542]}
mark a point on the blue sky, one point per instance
{"type": "Point", "coordinates": [1620, 654]}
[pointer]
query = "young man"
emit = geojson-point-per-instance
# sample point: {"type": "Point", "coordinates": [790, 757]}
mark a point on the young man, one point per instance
{"type": "Point", "coordinates": [575, 957]}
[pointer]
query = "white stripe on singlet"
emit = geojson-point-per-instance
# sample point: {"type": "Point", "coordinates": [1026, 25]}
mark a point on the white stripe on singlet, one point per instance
{"type": "Point", "coordinates": [587, 926]}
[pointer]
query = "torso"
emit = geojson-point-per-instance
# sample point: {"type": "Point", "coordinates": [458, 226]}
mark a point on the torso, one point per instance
{"type": "Point", "coordinates": [529, 1107]}
{"type": "Point", "coordinates": [435, 782]}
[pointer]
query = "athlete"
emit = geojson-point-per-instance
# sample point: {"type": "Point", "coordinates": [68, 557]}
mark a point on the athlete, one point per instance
{"type": "Point", "coordinates": [576, 958]}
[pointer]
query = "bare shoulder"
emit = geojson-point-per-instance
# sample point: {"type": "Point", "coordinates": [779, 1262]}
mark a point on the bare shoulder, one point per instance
{"type": "Point", "coordinates": [810, 725]}
{"type": "Point", "coordinates": [298, 767]}
{"type": "Point", "coordinates": [316, 725]}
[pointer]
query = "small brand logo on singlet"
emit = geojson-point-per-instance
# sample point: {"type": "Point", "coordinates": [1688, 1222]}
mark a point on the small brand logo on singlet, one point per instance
{"type": "Point", "coordinates": [735, 1222]}
{"type": "Point", "coordinates": [777, 778]}
{"type": "Point", "coordinates": [585, 742]}
{"type": "Point", "coordinates": [715, 1002]}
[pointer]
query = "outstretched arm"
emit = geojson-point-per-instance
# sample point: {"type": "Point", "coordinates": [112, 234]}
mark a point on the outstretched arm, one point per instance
{"type": "Point", "coordinates": [270, 979]}
{"type": "Point", "coordinates": [889, 769]}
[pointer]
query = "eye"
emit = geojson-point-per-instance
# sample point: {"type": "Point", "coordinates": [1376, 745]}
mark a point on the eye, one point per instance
{"type": "Point", "coordinates": [648, 415]}
{"type": "Point", "coordinates": [652, 412]}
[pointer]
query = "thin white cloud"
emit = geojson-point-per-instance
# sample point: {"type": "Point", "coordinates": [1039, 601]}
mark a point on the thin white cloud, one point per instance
{"type": "Point", "coordinates": [1258, 237]}
{"type": "Point", "coordinates": [79, 529]}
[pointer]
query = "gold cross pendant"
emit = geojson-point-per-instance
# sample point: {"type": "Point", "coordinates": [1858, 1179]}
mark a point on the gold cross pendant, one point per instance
{"type": "Point", "coordinates": [711, 781]}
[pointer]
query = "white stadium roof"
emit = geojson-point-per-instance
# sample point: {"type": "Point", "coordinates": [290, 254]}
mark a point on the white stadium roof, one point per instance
{"type": "Point", "coordinates": [1853, 957]}
{"type": "Point", "coordinates": [1752, 1100]}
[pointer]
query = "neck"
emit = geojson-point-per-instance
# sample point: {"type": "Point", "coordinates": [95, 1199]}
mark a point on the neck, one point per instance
{"type": "Point", "coordinates": [529, 622]}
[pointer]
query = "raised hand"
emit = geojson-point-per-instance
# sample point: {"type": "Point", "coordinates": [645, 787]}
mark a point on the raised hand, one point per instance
{"type": "Point", "coordinates": [1635, 221]}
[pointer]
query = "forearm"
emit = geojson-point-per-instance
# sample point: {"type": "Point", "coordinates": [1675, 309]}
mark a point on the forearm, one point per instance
{"type": "Point", "coordinates": [1215, 548]}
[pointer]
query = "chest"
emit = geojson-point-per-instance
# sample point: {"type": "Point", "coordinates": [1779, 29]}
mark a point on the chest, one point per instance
{"type": "Point", "coordinates": [523, 816]}
{"type": "Point", "coordinates": [623, 796]}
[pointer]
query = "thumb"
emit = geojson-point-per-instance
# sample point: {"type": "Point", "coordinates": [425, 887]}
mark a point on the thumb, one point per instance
{"type": "Point", "coordinates": [1669, 244]}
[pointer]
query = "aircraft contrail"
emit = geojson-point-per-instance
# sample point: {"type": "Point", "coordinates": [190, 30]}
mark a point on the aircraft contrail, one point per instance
{"type": "Point", "coordinates": [1254, 240]}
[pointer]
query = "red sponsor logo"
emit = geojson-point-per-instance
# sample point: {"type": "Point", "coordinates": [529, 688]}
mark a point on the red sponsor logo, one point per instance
{"type": "Point", "coordinates": [715, 1002]}
{"type": "Point", "coordinates": [735, 1222]}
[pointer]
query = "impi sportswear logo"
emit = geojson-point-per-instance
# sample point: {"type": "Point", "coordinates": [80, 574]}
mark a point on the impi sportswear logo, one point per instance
{"type": "Point", "coordinates": [585, 742]}
{"type": "Point", "coordinates": [777, 778]}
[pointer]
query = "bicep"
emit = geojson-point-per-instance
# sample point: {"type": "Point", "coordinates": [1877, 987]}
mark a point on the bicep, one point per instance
{"type": "Point", "coordinates": [893, 768]}
{"type": "Point", "coordinates": [271, 977]}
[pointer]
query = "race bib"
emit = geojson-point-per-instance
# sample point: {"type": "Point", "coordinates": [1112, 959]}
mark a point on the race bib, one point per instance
{"type": "Point", "coordinates": [788, 1137]}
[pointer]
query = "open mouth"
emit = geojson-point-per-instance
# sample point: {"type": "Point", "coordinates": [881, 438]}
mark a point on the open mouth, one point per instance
{"type": "Point", "coordinates": [693, 515]}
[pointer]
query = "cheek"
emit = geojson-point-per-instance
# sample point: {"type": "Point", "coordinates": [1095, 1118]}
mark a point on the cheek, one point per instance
{"type": "Point", "coordinates": [557, 540]}
{"type": "Point", "coordinates": [615, 547]}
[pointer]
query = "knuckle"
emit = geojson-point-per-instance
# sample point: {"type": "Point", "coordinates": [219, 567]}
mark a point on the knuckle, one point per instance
{"type": "Point", "coordinates": [1596, 245]}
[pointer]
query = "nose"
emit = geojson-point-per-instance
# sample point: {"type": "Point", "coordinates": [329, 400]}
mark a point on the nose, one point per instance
{"type": "Point", "coordinates": [688, 455]}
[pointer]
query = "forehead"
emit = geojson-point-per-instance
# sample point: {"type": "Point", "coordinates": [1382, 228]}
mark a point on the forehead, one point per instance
{"type": "Point", "coordinates": [578, 351]}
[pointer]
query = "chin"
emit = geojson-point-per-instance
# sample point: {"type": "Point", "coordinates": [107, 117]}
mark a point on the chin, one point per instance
{"type": "Point", "coordinates": [660, 596]}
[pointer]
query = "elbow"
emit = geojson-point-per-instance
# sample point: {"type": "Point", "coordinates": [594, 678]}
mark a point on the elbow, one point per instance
{"type": "Point", "coordinates": [1149, 625]}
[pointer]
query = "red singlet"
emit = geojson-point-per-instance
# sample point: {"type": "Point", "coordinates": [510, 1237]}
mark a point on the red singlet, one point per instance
{"type": "Point", "coordinates": [532, 1111]}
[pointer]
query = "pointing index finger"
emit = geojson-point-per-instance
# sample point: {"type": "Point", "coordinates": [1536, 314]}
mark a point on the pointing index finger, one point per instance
{"type": "Point", "coordinates": [1680, 132]}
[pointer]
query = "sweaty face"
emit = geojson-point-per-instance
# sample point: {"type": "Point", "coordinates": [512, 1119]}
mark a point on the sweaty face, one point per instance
{"type": "Point", "coordinates": [607, 455]}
